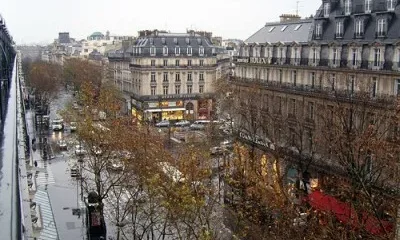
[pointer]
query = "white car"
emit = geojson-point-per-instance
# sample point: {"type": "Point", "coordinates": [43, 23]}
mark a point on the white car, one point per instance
{"type": "Point", "coordinates": [72, 126]}
{"type": "Point", "coordinates": [57, 124]}
{"type": "Point", "coordinates": [182, 123]}
{"type": "Point", "coordinates": [62, 144]}
{"type": "Point", "coordinates": [79, 150]}
{"type": "Point", "coordinates": [117, 165]}
{"type": "Point", "coordinates": [164, 123]}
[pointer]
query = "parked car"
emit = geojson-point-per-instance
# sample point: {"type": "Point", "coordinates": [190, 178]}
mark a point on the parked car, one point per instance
{"type": "Point", "coordinates": [72, 126]}
{"type": "Point", "coordinates": [79, 150]}
{"type": "Point", "coordinates": [216, 151]}
{"type": "Point", "coordinates": [182, 123]}
{"type": "Point", "coordinates": [227, 144]}
{"type": "Point", "coordinates": [62, 144]}
{"type": "Point", "coordinates": [164, 123]}
{"type": "Point", "coordinates": [117, 165]}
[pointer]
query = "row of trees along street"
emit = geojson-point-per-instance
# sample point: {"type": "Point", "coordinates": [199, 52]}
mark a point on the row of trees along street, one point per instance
{"type": "Point", "coordinates": [350, 139]}
{"type": "Point", "coordinates": [145, 200]}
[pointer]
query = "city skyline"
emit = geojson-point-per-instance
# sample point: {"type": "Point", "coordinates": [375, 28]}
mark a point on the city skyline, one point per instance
{"type": "Point", "coordinates": [42, 21]}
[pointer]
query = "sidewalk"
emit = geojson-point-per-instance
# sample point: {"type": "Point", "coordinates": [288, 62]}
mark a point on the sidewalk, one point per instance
{"type": "Point", "coordinates": [45, 227]}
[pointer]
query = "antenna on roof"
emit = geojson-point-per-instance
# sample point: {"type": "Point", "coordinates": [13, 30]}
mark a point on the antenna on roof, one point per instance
{"type": "Point", "coordinates": [298, 7]}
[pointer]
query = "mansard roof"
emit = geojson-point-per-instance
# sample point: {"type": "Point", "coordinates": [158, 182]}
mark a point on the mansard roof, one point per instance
{"type": "Point", "coordinates": [286, 32]}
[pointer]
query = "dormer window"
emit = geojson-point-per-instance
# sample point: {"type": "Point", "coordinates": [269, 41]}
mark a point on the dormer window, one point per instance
{"type": "Point", "coordinates": [359, 28]}
{"type": "Point", "coordinates": [177, 50]}
{"type": "Point", "coordinates": [165, 50]}
{"type": "Point", "coordinates": [339, 29]}
{"type": "Point", "coordinates": [368, 6]}
{"type": "Point", "coordinates": [381, 27]}
{"type": "Point", "coordinates": [201, 51]}
{"type": "Point", "coordinates": [347, 7]}
{"type": "Point", "coordinates": [318, 30]}
{"type": "Point", "coordinates": [199, 41]}
{"type": "Point", "coordinates": [152, 51]}
{"type": "Point", "coordinates": [163, 40]}
{"type": "Point", "coordinates": [189, 51]}
{"type": "Point", "coordinates": [187, 41]}
{"type": "Point", "coordinates": [327, 9]}
{"type": "Point", "coordinates": [175, 40]}
{"type": "Point", "coordinates": [391, 4]}
{"type": "Point", "coordinates": [151, 41]}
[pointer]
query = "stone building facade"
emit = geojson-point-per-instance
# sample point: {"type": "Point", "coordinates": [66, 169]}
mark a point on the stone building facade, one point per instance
{"type": "Point", "coordinates": [167, 76]}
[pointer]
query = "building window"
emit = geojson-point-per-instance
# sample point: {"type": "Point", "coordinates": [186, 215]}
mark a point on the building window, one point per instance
{"type": "Point", "coordinates": [381, 28]}
{"type": "Point", "coordinates": [312, 76]}
{"type": "Point", "coordinates": [189, 51]}
{"type": "Point", "coordinates": [153, 77]}
{"type": "Point", "coordinates": [335, 57]}
{"type": "Point", "coordinates": [293, 107]}
{"type": "Point", "coordinates": [311, 110]}
{"type": "Point", "coordinates": [280, 76]}
{"type": "Point", "coordinates": [189, 77]}
{"type": "Point", "coordinates": [327, 9]}
{"type": "Point", "coordinates": [189, 63]}
{"type": "Point", "coordinates": [153, 90]}
{"type": "Point", "coordinates": [187, 41]}
{"type": "Point", "coordinates": [177, 77]}
{"type": "Point", "coordinates": [177, 89]}
{"type": "Point", "coordinates": [318, 30]}
{"type": "Point", "coordinates": [352, 83]}
{"type": "Point", "coordinates": [177, 50]}
{"type": "Point", "coordinates": [165, 90]}
{"type": "Point", "coordinates": [201, 51]}
{"type": "Point", "coordinates": [390, 5]}
{"type": "Point", "coordinates": [153, 63]}
{"type": "Point", "coordinates": [177, 63]}
{"type": "Point", "coordinates": [201, 63]}
{"type": "Point", "coordinates": [201, 88]}
{"type": "Point", "coordinates": [176, 40]}
{"type": "Point", "coordinates": [377, 57]}
{"type": "Point", "coordinates": [368, 6]}
{"type": "Point", "coordinates": [152, 51]}
{"type": "Point", "coordinates": [310, 140]}
{"type": "Point", "coordinates": [347, 7]}
{"type": "Point", "coordinates": [339, 29]}
{"type": "Point", "coordinates": [397, 87]}
{"type": "Point", "coordinates": [163, 41]}
{"type": "Point", "coordinates": [374, 87]}
{"type": "Point", "coordinates": [189, 89]}
{"type": "Point", "coordinates": [201, 76]}
{"type": "Point", "coordinates": [165, 50]}
{"type": "Point", "coordinates": [314, 55]}
{"type": "Point", "coordinates": [165, 62]}
{"type": "Point", "coordinates": [359, 28]}
{"type": "Point", "coordinates": [354, 55]}
{"type": "Point", "coordinates": [333, 81]}
{"type": "Point", "coordinates": [294, 77]}
{"type": "Point", "coordinates": [165, 78]}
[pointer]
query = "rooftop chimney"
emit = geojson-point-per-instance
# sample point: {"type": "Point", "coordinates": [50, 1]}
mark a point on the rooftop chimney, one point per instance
{"type": "Point", "coordinates": [289, 18]}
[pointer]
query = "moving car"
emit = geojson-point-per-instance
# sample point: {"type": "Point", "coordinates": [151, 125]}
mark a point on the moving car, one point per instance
{"type": "Point", "coordinates": [72, 126]}
{"type": "Point", "coordinates": [62, 144]}
{"type": "Point", "coordinates": [227, 144]}
{"type": "Point", "coordinates": [79, 150]}
{"type": "Point", "coordinates": [57, 124]}
{"type": "Point", "coordinates": [164, 123]}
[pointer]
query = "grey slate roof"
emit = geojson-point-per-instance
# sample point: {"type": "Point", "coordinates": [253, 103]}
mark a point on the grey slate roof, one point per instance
{"type": "Point", "coordinates": [357, 10]}
{"type": "Point", "coordinates": [195, 42]}
{"type": "Point", "coordinates": [300, 35]}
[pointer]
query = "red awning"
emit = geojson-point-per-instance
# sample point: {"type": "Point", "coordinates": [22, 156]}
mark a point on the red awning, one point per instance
{"type": "Point", "coordinates": [347, 214]}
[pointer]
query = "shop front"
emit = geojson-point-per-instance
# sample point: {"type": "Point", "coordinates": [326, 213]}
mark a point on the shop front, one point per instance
{"type": "Point", "coordinates": [164, 110]}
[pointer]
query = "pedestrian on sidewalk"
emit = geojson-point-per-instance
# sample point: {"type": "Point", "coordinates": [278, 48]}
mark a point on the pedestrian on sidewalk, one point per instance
{"type": "Point", "coordinates": [35, 163]}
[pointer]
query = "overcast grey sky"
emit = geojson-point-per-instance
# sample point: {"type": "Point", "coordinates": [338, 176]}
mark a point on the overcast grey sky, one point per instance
{"type": "Point", "coordinates": [39, 21]}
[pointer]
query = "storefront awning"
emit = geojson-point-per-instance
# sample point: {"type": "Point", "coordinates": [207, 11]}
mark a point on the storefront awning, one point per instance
{"type": "Point", "coordinates": [345, 213]}
{"type": "Point", "coordinates": [165, 110]}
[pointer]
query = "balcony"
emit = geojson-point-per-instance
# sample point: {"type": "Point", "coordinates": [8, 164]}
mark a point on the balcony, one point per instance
{"type": "Point", "coordinates": [319, 92]}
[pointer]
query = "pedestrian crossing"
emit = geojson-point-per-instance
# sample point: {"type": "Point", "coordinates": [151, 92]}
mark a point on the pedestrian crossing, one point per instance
{"type": "Point", "coordinates": [49, 230]}
{"type": "Point", "coordinates": [44, 178]}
